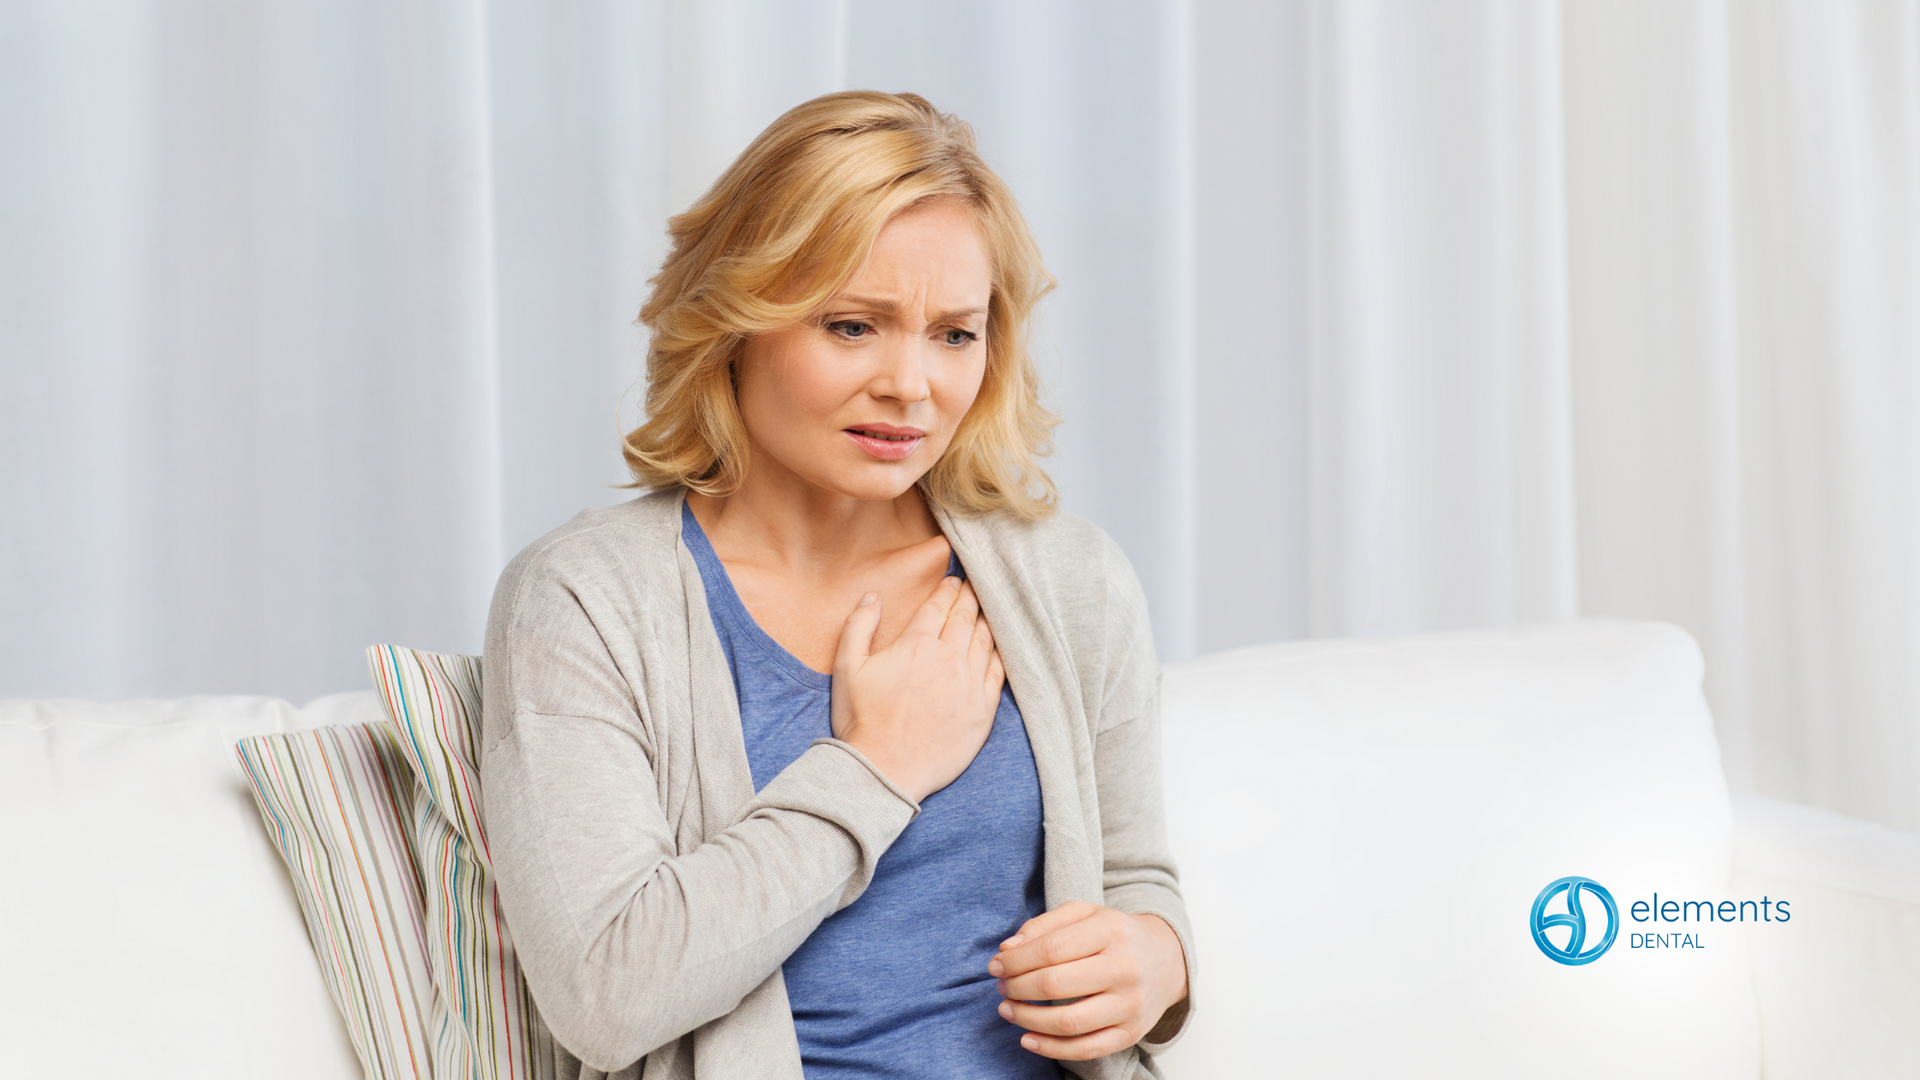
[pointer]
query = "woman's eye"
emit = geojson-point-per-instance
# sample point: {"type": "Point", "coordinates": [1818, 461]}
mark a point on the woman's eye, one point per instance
{"type": "Point", "coordinates": [851, 329]}
{"type": "Point", "coordinates": [959, 337]}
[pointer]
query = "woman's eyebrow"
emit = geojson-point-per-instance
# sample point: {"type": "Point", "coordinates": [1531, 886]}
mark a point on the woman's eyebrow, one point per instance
{"type": "Point", "coordinates": [889, 307]}
{"type": "Point", "coordinates": [865, 303]}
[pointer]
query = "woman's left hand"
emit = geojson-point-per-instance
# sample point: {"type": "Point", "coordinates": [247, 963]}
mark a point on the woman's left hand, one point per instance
{"type": "Point", "coordinates": [1125, 970]}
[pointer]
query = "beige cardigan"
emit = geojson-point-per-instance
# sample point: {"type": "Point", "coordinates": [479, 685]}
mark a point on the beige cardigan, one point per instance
{"type": "Point", "coordinates": [652, 895]}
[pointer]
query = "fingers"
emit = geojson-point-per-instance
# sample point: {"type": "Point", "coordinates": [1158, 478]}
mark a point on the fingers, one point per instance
{"type": "Point", "coordinates": [856, 636]}
{"type": "Point", "coordinates": [1062, 946]}
{"type": "Point", "coordinates": [991, 689]}
{"type": "Point", "coordinates": [1077, 954]}
{"type": "Point", "coordinates": [984, 657]}
{"type": "Point", "coordinates": [980, 648]}
{"type": "Point", "coordinates": [1070, 912]}
{"type": "Point", "coordinates": [1085, 1048]}
{"type": "Point", "coordinates": [1089, 1028]}
{"type": "Point", "coordinates": [962, 617]}
{"type": "Point", "coordinates": [1054, 937]}
{"type": "Point", "coordinates": [1061, 982]}
{"type": "Point", "coordinates": [931, 616]}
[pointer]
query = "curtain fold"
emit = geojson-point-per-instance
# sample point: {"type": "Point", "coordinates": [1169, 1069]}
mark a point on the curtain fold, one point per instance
{"type": "Point", "coordinates": [1441, 471]}
{"type": "Point", "coordinates": [1656, 351]}
{"type": "Point", "coordinates": [1745, 212]}
{"type": "Point", "coordinates": [250, 407]}
{"type": "Point", "coordinates": [1826, 116]}
{"type": "Point", "coordinates": [1375, 317]}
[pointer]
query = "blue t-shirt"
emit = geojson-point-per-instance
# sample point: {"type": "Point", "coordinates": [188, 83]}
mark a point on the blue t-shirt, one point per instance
{"type": "Point", "coordinates": [896, 984]}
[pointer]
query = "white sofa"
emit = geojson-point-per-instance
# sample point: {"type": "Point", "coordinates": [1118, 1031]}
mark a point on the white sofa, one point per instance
{"type": "Point", "coordinates": [1363, 828]}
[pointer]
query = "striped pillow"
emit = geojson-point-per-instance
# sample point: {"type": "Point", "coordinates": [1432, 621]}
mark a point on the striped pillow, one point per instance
{"type": "Point", "coordinates": [339, 804]}
{"type": "Point", "coordinates": [495, 1033]}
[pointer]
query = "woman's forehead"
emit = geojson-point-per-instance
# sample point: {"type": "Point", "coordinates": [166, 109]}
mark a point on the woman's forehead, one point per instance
{"type": "Point", "coordinates": [930, 257]}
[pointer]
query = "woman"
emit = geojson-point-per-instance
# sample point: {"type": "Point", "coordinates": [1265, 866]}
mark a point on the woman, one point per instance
{"type": "Point", "coordinates": [837, 755]}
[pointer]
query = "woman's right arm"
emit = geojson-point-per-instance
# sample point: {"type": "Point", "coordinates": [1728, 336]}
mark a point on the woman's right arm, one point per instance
{"type": "Point", "coordinates": [628, 941]}
{"type": "Point", "coordinates": [628, 944]}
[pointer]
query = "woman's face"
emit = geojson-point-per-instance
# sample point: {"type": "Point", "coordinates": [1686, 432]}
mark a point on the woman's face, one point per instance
{"type": "Point", "coordinates": [862, 400]}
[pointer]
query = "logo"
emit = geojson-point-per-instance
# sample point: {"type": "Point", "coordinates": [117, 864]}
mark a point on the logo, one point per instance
{"type": "Point", "coordinates": [1574, 950]}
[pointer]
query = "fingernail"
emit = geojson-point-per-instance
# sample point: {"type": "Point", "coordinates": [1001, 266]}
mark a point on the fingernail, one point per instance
{"type": "Point", "coordinates": [1006, 1010]}
{"type": "Point", "coordinates": [1000, 987]}
{"type": "Point", "coordinates": [869, 599]}
{"type": "Point", "coordinates": [1029, 1042]}
{"type": "Point", "coordinates": [1012, 941]}
{"type": "Point", "coordinates": [995, 969]}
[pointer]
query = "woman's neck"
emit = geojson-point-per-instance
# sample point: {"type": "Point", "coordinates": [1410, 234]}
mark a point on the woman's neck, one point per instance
{"type": "Point", "coordinates": [801, 557]}
{"type": "Point", "coordinates": [808, 531]}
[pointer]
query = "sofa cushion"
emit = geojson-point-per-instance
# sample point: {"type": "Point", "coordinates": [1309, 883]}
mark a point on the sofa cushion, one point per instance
{"type": "Point", "coordinates": [488, 1026]}
{"type": "Point", "coordinates": [338, 803]}
{"type": "Point", "coordinates": [145, 921]}
{"type": "Point", "coordinates": [1363, 828]}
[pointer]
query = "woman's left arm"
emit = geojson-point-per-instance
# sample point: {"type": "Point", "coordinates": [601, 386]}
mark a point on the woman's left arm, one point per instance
{"type": "Point", "coordinates": [1129, 962]}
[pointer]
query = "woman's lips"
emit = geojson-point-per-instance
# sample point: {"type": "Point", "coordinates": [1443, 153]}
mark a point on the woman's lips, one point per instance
{"type": "Point", "coordinates": [885, 442]}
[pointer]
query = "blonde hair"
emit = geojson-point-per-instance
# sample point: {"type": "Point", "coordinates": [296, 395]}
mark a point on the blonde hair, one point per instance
{"type": "Point", "coordinates": [794, 217]}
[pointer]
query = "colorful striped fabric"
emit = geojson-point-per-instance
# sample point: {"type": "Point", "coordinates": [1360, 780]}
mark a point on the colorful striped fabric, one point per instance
{"type": "Point", "coordinates": [339, 804]}
{"type": "Point", "coordinates": [488, 1025]}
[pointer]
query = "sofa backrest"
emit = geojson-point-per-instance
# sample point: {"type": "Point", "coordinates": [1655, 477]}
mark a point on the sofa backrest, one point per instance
{"type": "Point", "coordinates": [146, 924]}
{"type": "Point", "coordinates": [1363, 828]}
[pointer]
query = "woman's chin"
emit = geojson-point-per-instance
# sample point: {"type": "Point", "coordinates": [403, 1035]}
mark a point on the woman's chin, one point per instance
{"type": "Point", "coordinates": [872, 484]}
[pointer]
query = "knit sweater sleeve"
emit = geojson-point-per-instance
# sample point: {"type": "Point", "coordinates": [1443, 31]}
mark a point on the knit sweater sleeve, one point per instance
{"type": "Point", "coordinates": [1138, 873]}
{"type": "Point", "coordinates": [628, 937]}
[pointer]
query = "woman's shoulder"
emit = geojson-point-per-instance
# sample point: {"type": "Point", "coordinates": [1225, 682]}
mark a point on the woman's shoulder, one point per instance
{"type": "Point", "coordinates": [621, 548]}
{"type": "Point", "coordinates": [1072, 585]}
{"type": "Point", "coordinates": [1062, 558]}
{"type": "Point", "coordinates": [1059, 533]}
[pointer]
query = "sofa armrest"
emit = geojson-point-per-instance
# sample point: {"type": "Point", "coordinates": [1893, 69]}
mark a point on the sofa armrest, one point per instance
{"type": "Point", "coordinates": [1838, 985]}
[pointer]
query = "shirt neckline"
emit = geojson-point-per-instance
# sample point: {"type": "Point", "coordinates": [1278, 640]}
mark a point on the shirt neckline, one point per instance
{"type": "Point", "coordinates": [724, 601]}
{"type": "Point", "coordinates": [725, 604]}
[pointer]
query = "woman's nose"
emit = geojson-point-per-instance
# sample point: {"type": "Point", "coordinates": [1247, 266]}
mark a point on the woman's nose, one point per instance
{"type": "Point", "coordinates": [903, 373]}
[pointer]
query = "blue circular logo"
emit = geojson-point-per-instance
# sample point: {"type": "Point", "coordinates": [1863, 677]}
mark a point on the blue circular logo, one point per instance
{"type": "Point", "coordinates": [1575, 950]}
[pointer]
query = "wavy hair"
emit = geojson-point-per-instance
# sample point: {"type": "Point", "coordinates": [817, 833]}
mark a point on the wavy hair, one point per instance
{"type": "Point", "coordinates": [793, 218]}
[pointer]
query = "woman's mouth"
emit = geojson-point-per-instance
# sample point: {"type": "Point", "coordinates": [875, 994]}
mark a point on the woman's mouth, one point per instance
{"type": "Point", "coordinates": [884, 441]}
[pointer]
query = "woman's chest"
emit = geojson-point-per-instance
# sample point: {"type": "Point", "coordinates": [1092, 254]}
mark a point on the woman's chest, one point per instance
{"type": "Point", "coordinates": [805, 614]}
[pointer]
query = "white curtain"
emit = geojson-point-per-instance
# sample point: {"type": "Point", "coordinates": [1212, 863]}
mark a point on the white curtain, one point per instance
{"type": "Point", "coordinates": [1744, 196]}
{"type": "Point", "coordinates": [1375, 317]}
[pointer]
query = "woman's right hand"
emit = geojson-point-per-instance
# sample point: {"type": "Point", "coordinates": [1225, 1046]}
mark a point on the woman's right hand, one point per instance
{"type": "Point", "coordinates": [921, 708]}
